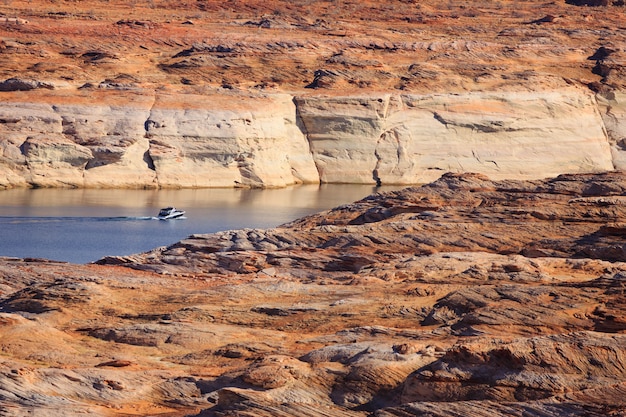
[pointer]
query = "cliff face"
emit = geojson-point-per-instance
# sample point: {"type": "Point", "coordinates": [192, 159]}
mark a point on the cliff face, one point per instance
{"type": "Point", "coordinates": [466, 296]}
{"type": "Point", "coordinates": [154, 141]}
{"type": "Point", "coordinates": [98, 143]}
{"type": "Point", "coordinates": [613, 111]}
{"type": "Point", "coordinates": [266, 94]}
{"type": "Point", "coordinates": [409, 139]}
{"type": "Point", "coordinates": [192, 140]}
{"type": "Point", "coordinates": [240, 142]}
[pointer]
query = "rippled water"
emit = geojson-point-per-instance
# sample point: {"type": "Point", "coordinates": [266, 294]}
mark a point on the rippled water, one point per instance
{"type": "Point", "coordinates": [85, 225]}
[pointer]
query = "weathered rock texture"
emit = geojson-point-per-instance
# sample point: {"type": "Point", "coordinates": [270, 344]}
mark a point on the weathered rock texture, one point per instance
{"type": "Point", "coordinates": [161, 141]}
{"type": "Point", "coordinates": [267, 94]}
{"type": "Point", "coordinates": [244, 141]}
{"type": "Point", "coordinates": [151, 141]}
{"type": "Point", "coordinates": [410, 139]}
{"type": "Point", "coordinates": [467, 296]}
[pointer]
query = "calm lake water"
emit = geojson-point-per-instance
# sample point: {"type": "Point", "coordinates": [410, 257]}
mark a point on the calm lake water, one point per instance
{"type": "Point", "coordinates": [82, 226]}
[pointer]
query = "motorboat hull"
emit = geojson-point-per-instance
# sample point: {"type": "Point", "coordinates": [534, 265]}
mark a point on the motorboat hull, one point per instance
{"type": "Point", "coordinates": [170, 213]}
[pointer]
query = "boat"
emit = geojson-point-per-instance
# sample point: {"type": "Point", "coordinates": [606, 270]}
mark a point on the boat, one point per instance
{"type": "Point", "coordinates": [169, 213]}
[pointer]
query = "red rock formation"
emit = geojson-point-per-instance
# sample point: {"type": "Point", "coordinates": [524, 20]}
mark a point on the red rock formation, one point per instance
{"type": "Point", "coordinates": [463, 296]}
{"type": "Point", "coordinates": [466, 296]}
{"type": "Point", "coordinates": [114, 77]}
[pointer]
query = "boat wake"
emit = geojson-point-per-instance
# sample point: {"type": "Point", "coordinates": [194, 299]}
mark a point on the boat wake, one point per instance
{"type": "Point", "coordinates": [18, 220]}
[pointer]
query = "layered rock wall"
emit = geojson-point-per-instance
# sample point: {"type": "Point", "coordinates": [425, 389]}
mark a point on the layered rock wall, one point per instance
{"type": "Point", "coordinates": [238, 142]}
{"type": "Point", "coordinates": [92, 143]}
{"type": "Point", "coordinates": [410, 139]}
{"type": "Point", "coordinates": [613, 110]}
{"type": "Point", "coordinates": [149, 140]}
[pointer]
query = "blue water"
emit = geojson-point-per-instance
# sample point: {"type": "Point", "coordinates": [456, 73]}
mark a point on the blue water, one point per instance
{"type": "Point", "coordinates": [82, 226]}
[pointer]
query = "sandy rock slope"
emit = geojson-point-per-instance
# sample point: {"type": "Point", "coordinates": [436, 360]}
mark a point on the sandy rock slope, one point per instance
{"type": "Point", "coordinates": [466, 296]}
{"type": "Point", "coordinates": [497, 293]}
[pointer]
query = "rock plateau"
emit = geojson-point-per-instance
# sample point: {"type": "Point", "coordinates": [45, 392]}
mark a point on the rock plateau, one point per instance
{"type": "Point", "coordinates": [496, 289]}
{"type": "Point", "coordinates": [267, 94]}
{"type": "Point", "coordinates": [466, 296]}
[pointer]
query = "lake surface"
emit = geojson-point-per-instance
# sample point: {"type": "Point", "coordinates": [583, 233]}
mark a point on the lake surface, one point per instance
{"type": "Point", "coordinates": [82, 226]}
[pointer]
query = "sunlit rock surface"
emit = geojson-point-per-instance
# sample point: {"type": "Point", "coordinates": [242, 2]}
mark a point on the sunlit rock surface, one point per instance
{"type": "Point", "coordinates": [278, 140]}
{"type": "Point", "coordinates": [411, 139]}
{"type": "Point", "coordinates": [467, 295]}
{"type": "Point", "coordinates": [496, 293]}
{"type": "Point", "coordinates": [167, 94]}
{"type": "Point", "coordinates": [199, 141]}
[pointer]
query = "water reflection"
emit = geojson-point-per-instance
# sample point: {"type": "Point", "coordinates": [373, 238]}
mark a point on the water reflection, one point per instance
{"type": "Point", "coordinates": [303, 196]}
{"type": "Point", "coordinates": [80, 225]}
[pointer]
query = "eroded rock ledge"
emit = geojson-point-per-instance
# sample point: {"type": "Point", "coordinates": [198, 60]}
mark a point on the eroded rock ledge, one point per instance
{"type": "Point", "coordinates": [141, 139]}
{"type": "Point", "coordinates": [466, 296]}
{"type": "Point", "coordinates": [266, 94]}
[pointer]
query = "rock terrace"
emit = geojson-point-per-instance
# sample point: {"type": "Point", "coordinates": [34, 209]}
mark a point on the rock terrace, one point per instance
{"type": "Point", "coordinates": [165, 94]}
{"type": "Point", "coordinates": [474, 295]}
{"type": "Point", "coordinates": [416, 46]}
{"type": "Point", "coordinates": [464, 296]}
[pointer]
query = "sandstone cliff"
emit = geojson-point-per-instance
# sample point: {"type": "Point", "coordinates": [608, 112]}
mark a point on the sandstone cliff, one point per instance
{"type": "Point", "coordinates": [466, 296]}
{"type": "Point", "coordinates": [411, 139]}
{"type": "Point", "coordinates": [153, 140]}
{"type": "Point", "coordinates": [267, 94]}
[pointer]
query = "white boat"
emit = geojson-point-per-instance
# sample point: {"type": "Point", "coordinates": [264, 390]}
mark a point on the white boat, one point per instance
{"type": "Point", "coordinates": [169, 213]}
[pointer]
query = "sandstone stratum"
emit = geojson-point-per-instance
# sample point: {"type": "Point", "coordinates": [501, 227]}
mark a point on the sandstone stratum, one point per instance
{"type": "Point", "coordinates": [498, 288]}
{"type": "Point", "coordinates": [165, 94]}
{"type": "Point", "coordinates": [464, 297]}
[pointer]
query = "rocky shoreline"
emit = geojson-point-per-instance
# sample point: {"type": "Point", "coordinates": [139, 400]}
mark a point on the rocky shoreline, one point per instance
{"type": "Point", "coordinates": [466, 295]}
{"type": "Point", "coordinates": [498, 288]}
